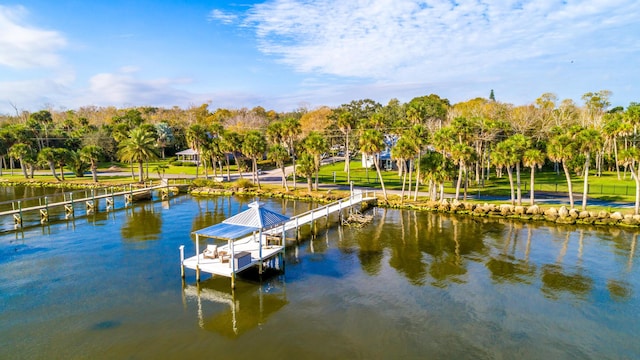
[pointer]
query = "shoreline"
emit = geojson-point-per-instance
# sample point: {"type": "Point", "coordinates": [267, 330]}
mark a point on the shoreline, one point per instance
{"type": "Point", "coordinates": [561, 215]}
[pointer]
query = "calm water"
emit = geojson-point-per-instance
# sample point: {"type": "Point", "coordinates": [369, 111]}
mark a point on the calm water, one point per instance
{"type": "Point", "coordinates": [410, 285]}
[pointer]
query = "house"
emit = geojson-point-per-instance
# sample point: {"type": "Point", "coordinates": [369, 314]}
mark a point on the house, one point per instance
{"type": "Point", "coordinates": [189, 155]}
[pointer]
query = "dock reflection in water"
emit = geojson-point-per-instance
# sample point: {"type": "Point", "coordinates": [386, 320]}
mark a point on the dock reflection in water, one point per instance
{"type": "Point", "coordinates": [233, 312]}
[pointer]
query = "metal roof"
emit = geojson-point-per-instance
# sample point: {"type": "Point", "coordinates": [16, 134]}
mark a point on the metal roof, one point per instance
{"type": "Point", "coordinates": [244, 223]}
{"type": "Point", "coordinates": [258, 217]}
{"type": "Point", "coordinates": [226, 231]}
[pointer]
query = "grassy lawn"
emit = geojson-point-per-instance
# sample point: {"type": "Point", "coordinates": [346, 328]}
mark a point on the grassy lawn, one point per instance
{"type": "Point", "coordinates": [605, 187]}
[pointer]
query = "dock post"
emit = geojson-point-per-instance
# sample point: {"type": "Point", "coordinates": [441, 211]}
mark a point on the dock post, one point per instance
{"type": "Point", "coordinates": [197, 273]}
{"type": "Point", "coordinates": [182, 261]}
{"type": "Point", "coordinates": [313, 231]}
{"type": "Point", "coordinates": [44, 213]}
{"type": "Point", "coordinates": [297, 232]}
{"type": "Point", "coordinates": [17, 218]}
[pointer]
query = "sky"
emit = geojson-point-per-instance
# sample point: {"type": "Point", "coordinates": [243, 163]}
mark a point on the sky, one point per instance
{"type": "Point", "coordinates": [290, 54]}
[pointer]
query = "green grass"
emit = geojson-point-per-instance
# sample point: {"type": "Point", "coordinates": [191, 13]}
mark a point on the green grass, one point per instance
{"type": "Point", "coordinates": [605, 187]}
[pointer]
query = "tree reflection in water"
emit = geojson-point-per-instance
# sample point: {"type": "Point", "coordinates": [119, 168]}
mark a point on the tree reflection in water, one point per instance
{"type": "Point", "coordinates": [142, 224]}
{"type": "Point", "coordinates": [437, 249]}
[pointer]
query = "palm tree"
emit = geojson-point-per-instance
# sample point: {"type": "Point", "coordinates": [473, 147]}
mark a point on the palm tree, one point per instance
{"type": "Point", "coordinates": [419, 137]}
{"type": "Point", "coordinates": [561, 149]}
{"type": "Point", "coordinates": [511, 151]}
{"type": "Point", "coordinates": [292, 129]}
{"type": "Point", "coordinates": [403, 151]}
{"type": "Point", "coordinates": [533, 158]}
{"type": "Point", "coordinates": [630, 157]}
{"type": "Point", "coordinates": [371, 144]}
{"type": "Point", "coordinates": [315, 144]}
{"type": "Point", "coordinates": [232, 143]}
{"type": "Point", "coordinates": [139, 147]}
{"type": "Point", "coordinates": [165, 136]}
{"type": "Point", "coordinates": [279, 154]}
{"type": "Point", "coordinates": [62, 157]}
{"type": "Point", "coordinates": [306, 167]}
{"type": "Point", "coordinates": [197, 138]}
{"type": "Point", "coordinates": [588, 140]}
{"type": "Point", "coordinates": [48, 156]}
{"type": "Point", "coordinates": [462, 154]}
{"type": "Point", "coordinates": [254, 146]}
{"type": "Point", "coordinates": [436, 168]}
{"type": "Point", "coordinates": [22, 153]}
{"type": "Point", "coordinates": [345, 122]}
{"type": "Point", "coordinates": [91, 154]}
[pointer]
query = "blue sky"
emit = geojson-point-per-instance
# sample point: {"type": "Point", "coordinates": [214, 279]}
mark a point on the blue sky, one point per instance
{"type": "Point", "coordinates": [286, 54]}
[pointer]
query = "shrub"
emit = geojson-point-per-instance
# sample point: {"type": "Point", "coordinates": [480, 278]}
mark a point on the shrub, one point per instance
{"type": "Point", "coordinates": [243, 184]}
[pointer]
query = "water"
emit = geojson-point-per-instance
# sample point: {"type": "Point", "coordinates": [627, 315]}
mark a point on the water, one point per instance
{"type": "Point", "coordinates": [409, 285]}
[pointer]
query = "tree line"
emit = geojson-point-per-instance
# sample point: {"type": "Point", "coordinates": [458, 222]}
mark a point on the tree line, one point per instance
{"type": "Point", "coordinates": [431, 140]}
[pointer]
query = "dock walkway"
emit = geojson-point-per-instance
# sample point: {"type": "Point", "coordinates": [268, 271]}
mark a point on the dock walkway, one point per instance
{"type": "Point", "coordinates": [264, 245]}
{"type": "Point", "coordinates": [89, 201]}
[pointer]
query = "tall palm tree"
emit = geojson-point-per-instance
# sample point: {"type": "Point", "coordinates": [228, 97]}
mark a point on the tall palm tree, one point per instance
{"type": "Point", "coordinates": [232, 143]}
{"type": "Point", "coordinates": [588, 140]}
{"type": "Point", "coordinates": [292, 129]}
{"type": "Point", "coordinates": [139, 147]}
{"type": "Point", "coordinates": [91, 154]}
{"type": "Point", "coordinates": [254, 146]}
{"type": "Point", "coordinates": [462, 154]}
{"type": "Point", "coordinates": [279, 154]}
{"type": "Point", "coordinates": [631, 158]}
{"type": "Point", "coordinates": [47, 156]}
{"type": "Point", "coordinates": [419, 137]}
{"type": "Point", "coordinates": [345, 122]}
{"type": "Point", "coordinates": [315, 144]}
{"type": "Point", "coordinates": [197, 137]}
{"type": "Point", "coordinates": [533, 158]}
{"type": "Point", "coordinates": [371, 144]}
{"type": "Point", "coordinates": [561, 149]}
{"type": "Point", "coordinates": [403, 151]}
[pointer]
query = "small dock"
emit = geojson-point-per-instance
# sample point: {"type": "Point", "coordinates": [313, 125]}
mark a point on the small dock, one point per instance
{"type": "Point", "coordinates": [255, 237]}
{"type": "Point", "coordinates": [90, 201]}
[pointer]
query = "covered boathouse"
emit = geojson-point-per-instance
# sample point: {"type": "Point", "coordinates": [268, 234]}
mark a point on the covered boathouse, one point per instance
{"type": "Point", "coordinates": [247, 243]}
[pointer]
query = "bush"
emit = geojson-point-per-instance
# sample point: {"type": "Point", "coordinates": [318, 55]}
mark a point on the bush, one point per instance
{"type": "Point", "coordinates": [243, 184]}
{"type": "Point", "coordinates": [207, 183]}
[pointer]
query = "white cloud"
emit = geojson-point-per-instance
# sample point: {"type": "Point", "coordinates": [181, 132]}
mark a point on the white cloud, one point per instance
{"type": "Point", "coordinates": [223, 17]}
{"type": "Point", "coordinates": [404, 40]}
{"type": "Point", "coordinates": [24, 46]}
{"type": "Point", "coordinates": [125, 88]}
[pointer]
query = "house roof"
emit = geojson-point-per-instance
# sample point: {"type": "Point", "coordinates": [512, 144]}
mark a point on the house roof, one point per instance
{"type": "Point", "coordinates": [253, 219]}
{"type": "Point", "coordinates": [187, 152]}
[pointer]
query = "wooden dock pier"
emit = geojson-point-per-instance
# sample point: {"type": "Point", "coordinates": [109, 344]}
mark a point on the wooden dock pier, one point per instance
{"type": "Point", "coordinates": [262, 245]}
{"type": "Point", "coordinates": [90, 201]}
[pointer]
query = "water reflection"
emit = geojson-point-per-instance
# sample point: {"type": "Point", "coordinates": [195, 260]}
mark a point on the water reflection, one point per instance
{"type": "Point", "coordinates": [143, 223]}
{"type": "Point", "coordinates": [234, 312]}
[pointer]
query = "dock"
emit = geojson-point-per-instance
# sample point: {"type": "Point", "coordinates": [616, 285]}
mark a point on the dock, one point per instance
{"type": "Point", "coordinates": [90, 201]}
{"type": "Point", "coordinates": [253, 243]}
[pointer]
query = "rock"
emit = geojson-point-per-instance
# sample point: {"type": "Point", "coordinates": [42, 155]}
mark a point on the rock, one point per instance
{"type": "Point", "coordinates": [616, 216]}
{"type": "Point", "coordinates": [533, 210]}
{"type": "Point", "coordinates": [583, 214]}
{"type": "Point", "coordinates": [519, 210]}
{"type": "Point", "coordinates": [574, 213]}
{"type": "Point", "coordinates": [506, 209]}
{"type": "Point", "coordinates": [551, 212]}
{"type": "Point", "coordinates": [603, 215]}
{"type": "Point", "coordinates": [563, 212]}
